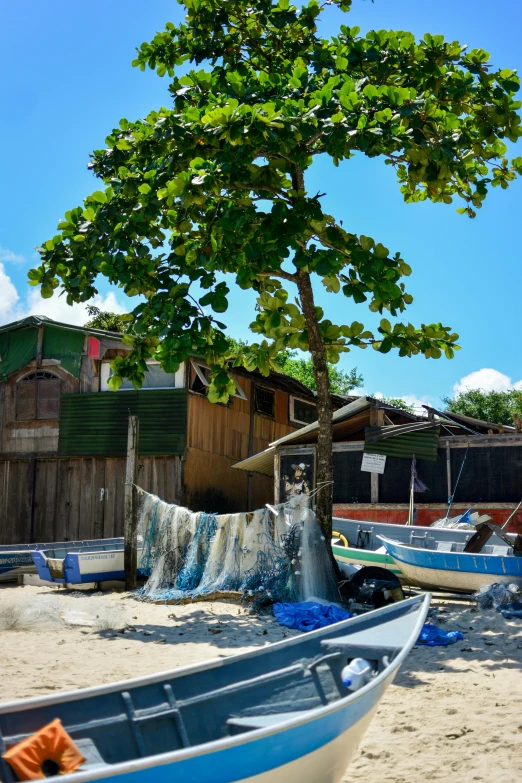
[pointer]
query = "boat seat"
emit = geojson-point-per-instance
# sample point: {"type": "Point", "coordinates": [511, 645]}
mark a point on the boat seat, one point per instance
{"type": "Point", "coordinates": [374, 652]}
{"type": "Point", "coordinates": [263, 721]}
{"type": "Point", "coordinates": [88, 749]}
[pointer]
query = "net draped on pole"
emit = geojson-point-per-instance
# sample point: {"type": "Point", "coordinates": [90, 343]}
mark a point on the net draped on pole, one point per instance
{"type": "Point", "coordinates": [190, 554]}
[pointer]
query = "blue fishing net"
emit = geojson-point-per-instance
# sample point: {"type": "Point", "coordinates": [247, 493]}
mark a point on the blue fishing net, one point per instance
{"type": "Point", "coordinates": [190, 555]}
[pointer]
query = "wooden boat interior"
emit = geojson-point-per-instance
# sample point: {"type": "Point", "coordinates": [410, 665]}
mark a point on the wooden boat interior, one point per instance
{"type": "Point", "coordinates": [182, 709]}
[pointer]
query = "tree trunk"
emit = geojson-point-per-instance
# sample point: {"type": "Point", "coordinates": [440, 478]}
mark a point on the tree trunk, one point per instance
{"type": "Point", "coordinates": [324, 467]}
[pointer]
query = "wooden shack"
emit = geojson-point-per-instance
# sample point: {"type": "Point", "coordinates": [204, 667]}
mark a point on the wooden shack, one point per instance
{"type": "Point", "coordinates": [63, 434]}
{"type": "Point", "coordinates": [476, 463]}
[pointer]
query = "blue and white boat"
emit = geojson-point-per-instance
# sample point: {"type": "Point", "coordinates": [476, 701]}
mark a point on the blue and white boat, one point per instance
{"type": "Point", "coordinates": [94, 561]}
{"type": "Point", "coordinates": [273, 715]}
{"type": "Point", "coordinates": [17, 559]}
{"type": "Point", "coordinates": [450, 568]}
{"type": "Point", "coordinates": [357, 542]}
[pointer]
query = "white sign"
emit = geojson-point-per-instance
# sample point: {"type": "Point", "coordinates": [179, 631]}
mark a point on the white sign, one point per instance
{"type": "Point", "coordinates": [373, 463]}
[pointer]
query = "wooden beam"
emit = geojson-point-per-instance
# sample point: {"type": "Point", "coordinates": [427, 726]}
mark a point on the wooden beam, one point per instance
{"type": "Point", "coordinates": [251, 424]}
{"type": "Point", "coordinates": [448, 468]}
{"type": "Point", "coordinates": [374, 488]}
{"type": "Point", "coordinates": [130, 510]}
{"type": "Point", "coordinates": [39, 347]}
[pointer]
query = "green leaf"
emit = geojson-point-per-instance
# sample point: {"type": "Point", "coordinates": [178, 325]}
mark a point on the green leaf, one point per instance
{"type": "Point", "coordinates": [145, 188]}
{"type": "Point", "coordinates": [98, 196]}
{"type": "Point", "coordinates": [219, 304]}
{"type": "Point", "coordinates": [114, 382]}
{"type": "Point", "coordinates": [123, 144]}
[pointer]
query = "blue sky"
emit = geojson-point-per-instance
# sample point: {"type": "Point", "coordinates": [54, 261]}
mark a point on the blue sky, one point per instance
{"type": "Point", "coordinates": [68, 81]}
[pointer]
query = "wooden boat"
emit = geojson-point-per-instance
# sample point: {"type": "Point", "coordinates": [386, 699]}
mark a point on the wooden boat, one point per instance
{"type": "Point", "coordinates": [364, 547]}
{"type": "Point", "coordinates": [16, 559]}
{"type": "Point", "coordinates": [276, 714]}
{"type": "Point", "coordinates": [99, 561]}
{"type": "Point", "coordinates": [449, 568]}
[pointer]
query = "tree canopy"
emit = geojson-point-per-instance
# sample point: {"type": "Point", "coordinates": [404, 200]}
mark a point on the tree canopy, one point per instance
{"type": "Point", "coordinates": [101, 319]}
{"type": "Point", "coordinates": [496, 407]}
{"type": "Point", "coordinates": [211, 191]}
{"type": "Point", "coordinates": [265, 96]}
{"type": "Point", "coordinates": [301, 368]}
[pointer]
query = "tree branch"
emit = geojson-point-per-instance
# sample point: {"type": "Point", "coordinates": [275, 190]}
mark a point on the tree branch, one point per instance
{"type": "Point", "coordinates": [279, 273]}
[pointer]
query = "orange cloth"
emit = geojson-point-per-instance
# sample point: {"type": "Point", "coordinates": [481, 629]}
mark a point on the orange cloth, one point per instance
{"type": "Point", "coordinates": [50, 743]}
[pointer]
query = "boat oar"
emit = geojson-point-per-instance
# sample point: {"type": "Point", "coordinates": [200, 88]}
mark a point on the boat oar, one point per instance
{"type": "Point", "coordinates": [510, 517]}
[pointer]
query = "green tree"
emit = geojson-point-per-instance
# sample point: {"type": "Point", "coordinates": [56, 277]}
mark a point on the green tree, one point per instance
{"type": "Point", "coordinates": [493, 406]}
{"type": "Point", "coordinates": [212, 190]}
{"type": "Point", "coordinates": [398, 402]}
{"type": "Point", "coordinates": [112, 322]}
{"type": "Point", "coordinates": [302, 369]}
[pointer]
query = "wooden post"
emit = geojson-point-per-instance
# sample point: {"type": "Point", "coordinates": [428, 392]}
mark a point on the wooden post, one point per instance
{"type": "Point", "coordinates": [448, 469]}
{"type": "Point", "coordinates": [251, 425]}
{"type": "Point", "coordinates": [130, 511]}
{"type": "Point", "coordinates": [39, 347]}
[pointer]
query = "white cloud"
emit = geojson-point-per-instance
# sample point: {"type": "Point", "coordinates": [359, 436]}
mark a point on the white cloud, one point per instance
{"type": "Point", "coordinates": [12, 308]}
{"type": "Point", "coordinates": [57, 308]}
{"type": "Point", "coordinates": [487, 379]}
{"type": "Point", "coordinates": [8, 295]}
{"type": "Point", "coordinates": [409, 399]}
{"type": "Point", "coordinates": [8, 257]}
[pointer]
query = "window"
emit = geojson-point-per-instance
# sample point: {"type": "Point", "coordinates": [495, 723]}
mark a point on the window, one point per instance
{"type": "Point", "coordinates": [200, 380]}
{"type": "Point", "coordinates": [155, 378]}
{"type": "Point", "coordinates": [38, 396]}
{"type": "Point", "coordinates": [264, 401]}
{"type": "Point", "coordinates": [302, 412]}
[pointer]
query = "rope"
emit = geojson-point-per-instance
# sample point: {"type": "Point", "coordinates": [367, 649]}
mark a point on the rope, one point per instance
{"type": "Point", "coordinates": [450, 500]}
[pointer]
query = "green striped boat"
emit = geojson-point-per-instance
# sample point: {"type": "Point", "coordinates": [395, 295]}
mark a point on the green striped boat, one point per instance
{"type": "Point", "coordinates": [365, 557]}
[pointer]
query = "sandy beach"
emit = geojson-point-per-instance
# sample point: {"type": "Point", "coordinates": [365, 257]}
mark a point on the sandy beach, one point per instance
{"type": "Point", "coordinates": [452, 713]}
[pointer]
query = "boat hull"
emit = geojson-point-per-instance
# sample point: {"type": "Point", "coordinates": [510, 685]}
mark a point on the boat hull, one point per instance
{"type": "Point", "coordinates": [364, 557]}
{"type": "Point", "coordinates": [311, 745]}
{"type": "Point", "coordinates": [459, 572]}
{"type": "Point", "coordinates": [17, 559]}
{"type": "Point", "coordinates": [317, 751]}
{"type": "Point", "coordinates": [15, 563]}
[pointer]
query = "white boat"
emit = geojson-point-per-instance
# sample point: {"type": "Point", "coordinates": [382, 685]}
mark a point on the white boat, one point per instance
{"type": "Point", "coordinates": [277, 714]}
{"type": "Point", "coordinates": [449, 568]}
{"type": "Point", "coordinates": [17, 559]}
{"type": "Point", "coordinates": [101, 561]}
{"type": "Point", "coordinates": [358, 542]}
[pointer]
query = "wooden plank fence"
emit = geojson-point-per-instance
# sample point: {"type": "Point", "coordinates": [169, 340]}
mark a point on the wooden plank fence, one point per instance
{"type": "Point", "coordinates": [57, 499]}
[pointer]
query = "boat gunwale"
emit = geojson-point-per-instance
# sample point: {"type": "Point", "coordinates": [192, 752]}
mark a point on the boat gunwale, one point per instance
{"type": "Point", "coordinates": [161, 759]}
{"type": "Point", "coordinates": [436, 552]}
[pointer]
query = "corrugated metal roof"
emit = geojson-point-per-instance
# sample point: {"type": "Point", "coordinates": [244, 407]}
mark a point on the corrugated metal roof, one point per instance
{"type": "Point", "coordinates": [263, 462]}
{"type": "Point", "coordinates": [374, 434]}
{"type": "Point", "coordinates": [460, 418]}
{"type": "Point", "coordinates": [340, 415]}
{"type": "Point", "coordinates": [96, 423]}
{"type": "Point", "coordinates": [42, 320]}
{"type": "Point", "coordinates": [421, 443]}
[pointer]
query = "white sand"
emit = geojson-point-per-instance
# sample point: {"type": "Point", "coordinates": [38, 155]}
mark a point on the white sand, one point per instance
{"type": "Point", "coordinates": [452, 713]}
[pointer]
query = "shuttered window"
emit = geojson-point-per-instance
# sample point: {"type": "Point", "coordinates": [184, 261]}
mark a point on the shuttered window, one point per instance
{"type": "Point", "coordinates": [38, 397]}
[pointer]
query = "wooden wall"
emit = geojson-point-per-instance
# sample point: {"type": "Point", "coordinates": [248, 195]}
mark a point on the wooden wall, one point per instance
{"type": "Point", "coordinates": [39, 436]}
{"type": "Point", "coordinates": [218, 436]}
{"type": "Point", "coordinates": [79, 498]}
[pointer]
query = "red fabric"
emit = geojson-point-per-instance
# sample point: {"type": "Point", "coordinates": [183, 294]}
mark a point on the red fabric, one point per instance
{"type": "Point", "coordinates": [93, 348]}
{"type": "Point", "coordinates": [49, 743]}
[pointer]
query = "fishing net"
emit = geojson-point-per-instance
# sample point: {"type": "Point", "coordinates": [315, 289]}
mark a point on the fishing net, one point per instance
{"type": "Point", "coordinates": [190, 554]}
